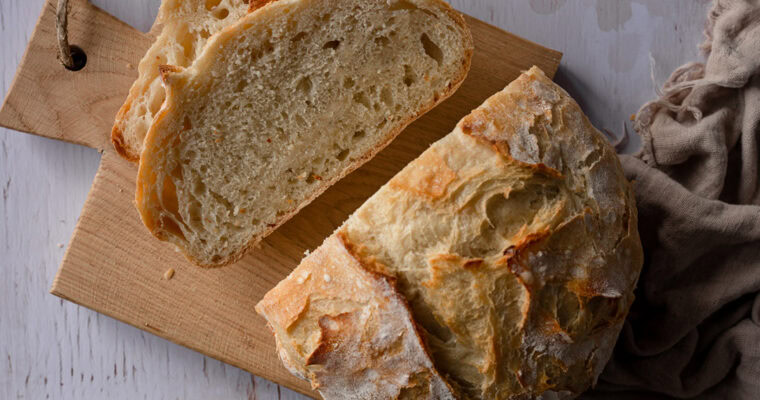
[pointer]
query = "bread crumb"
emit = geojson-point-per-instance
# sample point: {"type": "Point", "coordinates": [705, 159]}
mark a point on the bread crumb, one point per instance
{"type": "Point", "coordinates": [130, 66]}
{"type": "Point", "coordinates": [169, 274]}
{"type": "Point", "coordinates": [306, 253]}
{"type": "Point", "coordinates": [633, 117]}
{"type": "Point", "coordinates": [327, 278]}
{"type": "Point", "coordinates": [60, 245]}
{"type": "Point", "coordinates": [121, 190]}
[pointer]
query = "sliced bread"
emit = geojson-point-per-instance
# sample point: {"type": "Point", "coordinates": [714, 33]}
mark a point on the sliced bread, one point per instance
{"type": "Point", "coordinates": [283, 104]}
{"type": "Point", "coordinates": [186, 25]}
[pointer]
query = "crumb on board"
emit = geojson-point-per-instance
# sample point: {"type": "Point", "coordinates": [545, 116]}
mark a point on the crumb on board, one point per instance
{"type": "Point", "coordinates": [169, 274]}
{"type": "Point", "coordinates": [60, 245]}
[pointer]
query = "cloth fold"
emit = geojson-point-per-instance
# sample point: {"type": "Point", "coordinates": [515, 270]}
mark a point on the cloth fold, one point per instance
{"type": "Point", "coordinates": [694, 329]}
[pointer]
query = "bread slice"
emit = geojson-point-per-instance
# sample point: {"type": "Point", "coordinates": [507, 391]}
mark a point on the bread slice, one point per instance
{"type": "Point", "coordinates": [186, 26]}
{"type": "Point", "coordinates": [283, 104]}
{"type": "Point", "coordinates": [514, 241]}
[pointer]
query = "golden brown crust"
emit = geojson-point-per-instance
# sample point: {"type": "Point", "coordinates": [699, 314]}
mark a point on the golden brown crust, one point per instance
{"type": "Point", "coordinates": [117, 138]}
{"type": "Point", "coordinates": [347, 330]}
{"type": "Point", "coordinates": [144, 173]}
{"type": "Point", "coordinates": [514, 240]}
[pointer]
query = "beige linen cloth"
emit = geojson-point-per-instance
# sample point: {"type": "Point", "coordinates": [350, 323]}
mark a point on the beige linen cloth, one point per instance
{"type": "Point", "coordinates": [694, 329]}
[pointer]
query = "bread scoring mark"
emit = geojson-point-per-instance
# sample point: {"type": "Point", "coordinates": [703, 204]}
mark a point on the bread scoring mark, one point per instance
{"type": "Point", "coordinates": [505, 121]}
{"type": "Point", "coordinates": [368, 263]}
{"type": "Point", "coordinates": [550, 326]}
{"type": "Point", "coordinates": [428, 176]}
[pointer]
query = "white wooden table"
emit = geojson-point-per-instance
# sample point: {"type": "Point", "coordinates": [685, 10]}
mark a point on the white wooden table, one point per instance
{"type": "Point", "coordinates": [53, 349]}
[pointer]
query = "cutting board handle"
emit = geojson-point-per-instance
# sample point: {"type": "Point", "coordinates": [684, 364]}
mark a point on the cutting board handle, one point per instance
{"type": "Point", "coordinates": [49, 100]}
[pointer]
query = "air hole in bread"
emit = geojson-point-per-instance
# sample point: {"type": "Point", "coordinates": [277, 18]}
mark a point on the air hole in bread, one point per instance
{"type": "Point", "coordinates": [168, 225]}
{"type": "Point", "coordinates": [210, 4]}
{"type": "Point", "coordinates": [409, 77]}
{"type": "Point", "coordinates": [343, 155]}
{"type": "Point", "coordinates": [199, 187]}
{"type": "Point", "coordinates": [361, 98]}
{"type": "Point", "coordinates": [326, 17]}
{"type": "Point", "coordinates": [358, 135]}
{"type": "Point", "coordinates": [268, 47]}
{"type": "Point", "coordinates": [382, 124]}
{"type": "Point", "coordinates": [194, 211]}
{"type": "Point", "coordinates": [240, 87]}
{"type": "Point", "coordinates": [432, 49]}
{"type": "Point", "coordinates": [187, 42]}
{"type": "Point", "coordinates": [403, 5]}
{"type": "Point", "coordinates": [348, 82]}
{"type": "Point", "coordinates": [221, 13]}
{"type": "Point", "coordinates": [156, 100]}
{"type": "Point", "coordinates": [304, 85]}
{"type": "Point", "coordinates": [300, 36]}
{"type": "Point", "coordinates": [300, 120]}
{"type": "Point", "coordinates": [382, 41]}
{"type": "Point", "coordinates": [205, 34]}
{"type": "Point", "coordinates": [387, 96]}
{"type": "Point", "coordinates": [333, 44]}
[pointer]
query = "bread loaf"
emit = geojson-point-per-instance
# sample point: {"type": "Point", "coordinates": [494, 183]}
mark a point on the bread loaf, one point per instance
{"type": "Point", "coordinates": [513, 242]}
{"type": "Point", "coordinates": [283, 104]}
{"type": "Point", "coordinates": [185, 27]}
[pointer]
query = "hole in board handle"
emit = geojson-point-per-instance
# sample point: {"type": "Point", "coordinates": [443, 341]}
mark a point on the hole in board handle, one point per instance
{"type": "Point", "coordinates": [79, 57]}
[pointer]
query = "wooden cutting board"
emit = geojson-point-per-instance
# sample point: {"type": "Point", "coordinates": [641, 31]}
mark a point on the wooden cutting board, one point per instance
{"type": "Point", "coordinates": [114, 266]}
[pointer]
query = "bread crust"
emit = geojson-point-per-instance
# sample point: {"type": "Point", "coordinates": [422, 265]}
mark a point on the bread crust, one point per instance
{"type": "Point", "coordinates": [146, 175]}
{"type": "Point", "coordinates": [123, 124]}
{"type": "Point", "coordinates": [513, 239]}
{"type": "Point", "coordinates": [373, 321]}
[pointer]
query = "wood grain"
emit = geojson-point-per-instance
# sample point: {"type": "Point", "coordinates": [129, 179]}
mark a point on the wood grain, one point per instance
{"type": "Point", "coordinates": [114, 266]}
{"type": "Point", "coordinates": [48, 100]}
